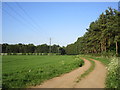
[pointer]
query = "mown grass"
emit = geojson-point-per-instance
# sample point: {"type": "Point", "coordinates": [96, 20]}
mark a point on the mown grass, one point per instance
{"type": "Point", "coordinates": [87, 71]}
{"type": "Point", "coordinates": [24, 71]}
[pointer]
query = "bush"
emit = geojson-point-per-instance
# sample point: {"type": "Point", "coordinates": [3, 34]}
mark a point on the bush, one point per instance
{"type": "Point", "coordinates": [29, 53]}
{"type": "Point", "coordinates": [108, 54]}
{"type": "Point", "coordinates": [112, 80]}
{"type": "Point", "coordinates": [14, 54]}
{"type": "Point", "coordinates": [23, 53]}
{"type": "Point", "coordinates": [44, 54]}
{"type": "Point", "coordinates": [9, 54]}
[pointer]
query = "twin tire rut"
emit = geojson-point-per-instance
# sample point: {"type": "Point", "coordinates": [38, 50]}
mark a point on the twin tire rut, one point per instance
{"type": "Point", "coordinates": [95, 79]}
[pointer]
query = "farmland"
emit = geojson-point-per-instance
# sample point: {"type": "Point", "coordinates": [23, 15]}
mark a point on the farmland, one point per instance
{"type": "Point", "coordinates": [43, 53]}
{"type": "Point", "coordinates": [31, 70]}
{"type": "Point", "coordinates": [23, 71]}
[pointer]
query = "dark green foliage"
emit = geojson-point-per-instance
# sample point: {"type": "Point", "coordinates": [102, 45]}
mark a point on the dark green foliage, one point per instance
{"type": "Point", "coordinates": [71, 49]}
{"type": "Point", "coordinates": [30, 49]}
{"type": "Point", "coordinates": [62, 51]}
{"type": "Point", "coordinates": [102, 36]}
{"type": "Point", "coordinates": [44, 48]}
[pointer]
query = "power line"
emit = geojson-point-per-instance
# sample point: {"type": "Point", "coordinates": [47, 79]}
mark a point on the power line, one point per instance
{"type": "Point", "coordinates": [21, 16]}
{"type": "Point", "coordinates": [30, 18]}
{"type": "Point", "coordinates": [13, 17]}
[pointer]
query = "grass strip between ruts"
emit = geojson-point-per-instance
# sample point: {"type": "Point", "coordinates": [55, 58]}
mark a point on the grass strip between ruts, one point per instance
{"type": "Point", "coordinates": [87, 71]}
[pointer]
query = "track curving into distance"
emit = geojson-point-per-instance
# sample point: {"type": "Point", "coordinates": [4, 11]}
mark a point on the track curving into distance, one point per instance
{"type": "Point", "coordinates": [95, 79]}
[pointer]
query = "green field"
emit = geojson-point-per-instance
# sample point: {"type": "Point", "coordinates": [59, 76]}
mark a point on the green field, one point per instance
{"type": "Point", "coordinates": [24, 71]}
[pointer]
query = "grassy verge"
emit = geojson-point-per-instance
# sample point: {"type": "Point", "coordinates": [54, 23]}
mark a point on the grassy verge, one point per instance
{"type": "Point", "coordinates": [104, 60]}
{"type": "Point", "coordinates": [113, 76]}
{"type": "Point", "coordinates": [113, 67]}
{"type": "Point", "coordinates": [23, 71]}
{"type": "Point", "coordinates": [88, 71]}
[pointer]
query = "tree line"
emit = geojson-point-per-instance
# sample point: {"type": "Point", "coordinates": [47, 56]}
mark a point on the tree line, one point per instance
{"type": "Point", "coordinates": [31, 48]}
{"type": "Point", "coordinates": [102, 36]}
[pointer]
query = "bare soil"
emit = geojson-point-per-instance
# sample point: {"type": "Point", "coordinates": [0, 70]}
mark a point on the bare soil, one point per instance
{"type": "Point", "coordinates": [96, 79]}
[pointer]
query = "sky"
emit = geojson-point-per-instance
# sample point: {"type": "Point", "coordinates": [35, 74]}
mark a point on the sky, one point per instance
{"type": "Point", "coordinates": [37, 22]}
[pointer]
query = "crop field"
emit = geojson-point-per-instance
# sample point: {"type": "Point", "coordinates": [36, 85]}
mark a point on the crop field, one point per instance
{"type": "Point", "coordinates": [25, 71]}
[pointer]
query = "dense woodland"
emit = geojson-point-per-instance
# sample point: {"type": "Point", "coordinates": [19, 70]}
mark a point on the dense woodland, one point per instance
{"type": "Point", "coordinates": [102, 36]}
{"type": "Point", "coordinates": [31, 48]}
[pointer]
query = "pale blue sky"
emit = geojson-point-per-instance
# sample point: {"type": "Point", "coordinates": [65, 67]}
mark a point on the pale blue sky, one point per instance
{"type": "Point", "coordinates": [36, 22]}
